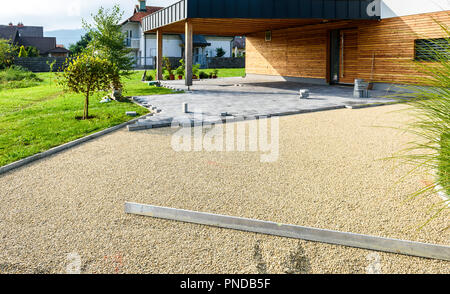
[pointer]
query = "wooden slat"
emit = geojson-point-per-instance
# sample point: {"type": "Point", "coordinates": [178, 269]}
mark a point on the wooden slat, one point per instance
{"type": "Point", "coordinates": [303, 51]}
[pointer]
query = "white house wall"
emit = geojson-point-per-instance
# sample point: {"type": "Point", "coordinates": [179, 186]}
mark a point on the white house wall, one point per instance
{"type": "Point", "coordinates": [218, 42]}
{"type": "Point", "coordinates": [171, 45]}
{"type": "Point", "coordinates": [395, 8]}
{"type": "Point", "coordinates": [134, 28]}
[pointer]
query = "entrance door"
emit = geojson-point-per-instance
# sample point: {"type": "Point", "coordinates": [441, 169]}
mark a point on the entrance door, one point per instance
{"type": "Point", "coordinates": [344, 56]}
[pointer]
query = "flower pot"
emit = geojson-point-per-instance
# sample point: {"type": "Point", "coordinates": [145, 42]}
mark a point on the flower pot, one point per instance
{"type": "Point", "coordinates": [172, 77]}
{"type": "Point", "coordinates": [180, 77]}
{"type": "Point", "coordinates": [195, 77]}
{"type": "Point", "coordinates": [214, 77]}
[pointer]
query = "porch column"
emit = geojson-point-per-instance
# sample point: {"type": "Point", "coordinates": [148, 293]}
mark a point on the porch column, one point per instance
{"type": "Point", "coordinates": [188, 46]}
{"type": "Point", "coordinates": [159, 55]}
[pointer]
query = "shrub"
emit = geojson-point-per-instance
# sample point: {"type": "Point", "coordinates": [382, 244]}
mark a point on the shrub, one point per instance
{"type": "Point", "coordinates": [32, 51]}
{"type": "Point", "coordinates": [148, 78]}
{"type": "Point", "coordinates": [431, 110]}
{"type": "Point", "coordinates": [220, 52]}
{"type": "Point", "coordinates": [195, 69]}
{"type": "Point", "coordinates": [203, 75]}
{"type": "Point", "coordinates": [7, 53]}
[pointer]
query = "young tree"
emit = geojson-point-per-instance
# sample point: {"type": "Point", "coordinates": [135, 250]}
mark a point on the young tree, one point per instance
{"type": "Point", "coordinates": [87, 74]}
{"type": "Point", "coordinates": [108, 40]}
{"type": "Point", "coordinates": [23, 52]}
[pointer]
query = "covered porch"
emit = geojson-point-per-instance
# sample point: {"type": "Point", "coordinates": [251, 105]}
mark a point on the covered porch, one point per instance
{"type": "Point", "coordinates": [243, 17]}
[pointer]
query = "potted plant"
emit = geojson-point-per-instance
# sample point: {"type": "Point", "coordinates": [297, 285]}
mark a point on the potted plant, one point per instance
{"type": "Point", "coordinates": [180, 72]}
{"type": "Point", "coordinates": [215, 73]}
{"type": "Point", "coordinates": [195, 70]}
{"type": "Point", "coordinates": [168, 67]}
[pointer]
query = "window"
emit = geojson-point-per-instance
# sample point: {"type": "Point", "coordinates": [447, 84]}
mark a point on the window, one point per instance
{"type": "Point", "coordinates": [432, 49]}
{"type": "Point", "coordinates": [268, 36]}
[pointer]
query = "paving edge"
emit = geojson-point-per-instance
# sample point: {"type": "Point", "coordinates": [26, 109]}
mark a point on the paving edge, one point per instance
{"type": "Point", "coordinates": [143, 126]}
{"type": "Point", "coordinates": [54, 150]}
{"type": "Point", "coordinates": [397, 246]}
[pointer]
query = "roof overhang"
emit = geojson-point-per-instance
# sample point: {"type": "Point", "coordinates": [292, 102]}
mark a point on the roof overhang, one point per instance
{"type": "Point", "coordinates": [240, 17]}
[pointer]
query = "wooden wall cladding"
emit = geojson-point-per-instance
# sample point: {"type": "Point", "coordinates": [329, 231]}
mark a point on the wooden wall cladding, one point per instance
{"type": "Point", "coordinates": [303, 51]}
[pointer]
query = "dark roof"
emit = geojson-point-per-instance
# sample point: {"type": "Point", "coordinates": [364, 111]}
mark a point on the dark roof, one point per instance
{"type": "Point", "coordinates": [9, 33]}
{"type": "Point", "coordinates": [139, 15]}
{"type": "Point", "coordinates": [198, 40]}
{"type": "Point", "coordinates": [44, 45]}
{"type": "Point", "coordinates": [239, 42]}
{"type": "Point", "coordinates": [58, 50]}
{"type": "Point", "coordinates": [27, 31]}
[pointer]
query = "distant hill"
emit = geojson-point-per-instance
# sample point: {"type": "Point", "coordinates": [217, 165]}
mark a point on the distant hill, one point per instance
{"type": "Point", "coordinates": [66, 37]}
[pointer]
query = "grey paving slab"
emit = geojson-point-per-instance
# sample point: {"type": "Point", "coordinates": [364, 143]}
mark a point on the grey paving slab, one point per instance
{"type": "Point", "coordinates": [250, 97]}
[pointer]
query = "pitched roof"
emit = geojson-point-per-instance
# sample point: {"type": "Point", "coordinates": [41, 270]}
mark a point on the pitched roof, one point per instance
{"type": "Point", "coordinates": [44, 45]}
{"type": "Point", "coordinates": [9, 33]}
{"type": "Point", "coordinates": [139, 15]}
{"type": "Point", "coordinates": [198, 41]}
{"type": "Point", "coordinates": [58, 50]}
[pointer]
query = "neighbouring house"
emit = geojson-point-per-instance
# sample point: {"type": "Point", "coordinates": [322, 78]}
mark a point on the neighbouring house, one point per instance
{"type": "Point", "coordinates": [144, 44]}
{"type": "Point", "coordinates": [33, 36]}
{"type": "Point", "coordinates": [238, 46]}
{"type": "Point", "coordinates": [317, 41]}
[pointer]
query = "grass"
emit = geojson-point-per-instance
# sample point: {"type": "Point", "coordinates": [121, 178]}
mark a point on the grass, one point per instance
{"type": "Point", "coordinates": [42, 116]}
{"type": "Point", "coordinates": [16, 77]}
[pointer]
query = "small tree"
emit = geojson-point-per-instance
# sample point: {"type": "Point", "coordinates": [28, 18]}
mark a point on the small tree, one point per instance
{"type": "Point", "coordinates": [87, 74]}
{"type": "Point", "coordinates": [23, 52]}
{"type": "Point", "coordinates": [220, 52]}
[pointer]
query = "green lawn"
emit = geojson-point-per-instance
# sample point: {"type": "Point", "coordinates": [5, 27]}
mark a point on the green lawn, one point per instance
{"type": "Point", "coordinates": [41, 117]}
{"type": "Point", "coordinates": [38, 118]}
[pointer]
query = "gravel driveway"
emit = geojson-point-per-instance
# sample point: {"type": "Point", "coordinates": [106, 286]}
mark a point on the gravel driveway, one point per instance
{"type": "Point", "coordinates": [328, 176]}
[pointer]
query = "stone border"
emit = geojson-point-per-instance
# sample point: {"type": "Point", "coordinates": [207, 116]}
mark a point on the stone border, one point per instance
{"type": "Point", "coordinates": [54, 150]}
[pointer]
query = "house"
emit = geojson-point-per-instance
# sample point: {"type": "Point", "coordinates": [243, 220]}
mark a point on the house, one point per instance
{"type": "Point", "coordinates": [315, 41]}
{"type": "Point", "coordinates": [32, 36]}
{"type": "Point", "coordinates": [143, 45]}
{"type": "Point", "coordinates": [238, 46]}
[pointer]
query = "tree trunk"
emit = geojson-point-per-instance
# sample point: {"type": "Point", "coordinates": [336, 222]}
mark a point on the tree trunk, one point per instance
{"type": "Point", "coordinates": [86, 107]}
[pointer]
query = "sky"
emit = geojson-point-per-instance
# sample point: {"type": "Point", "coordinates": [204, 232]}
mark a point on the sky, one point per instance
{"type": "Point", "coordinates": [62, 14]}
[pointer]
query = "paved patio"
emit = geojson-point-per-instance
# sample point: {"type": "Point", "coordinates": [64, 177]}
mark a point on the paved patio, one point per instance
{"type": "Point", "coordinates": [246, 98]}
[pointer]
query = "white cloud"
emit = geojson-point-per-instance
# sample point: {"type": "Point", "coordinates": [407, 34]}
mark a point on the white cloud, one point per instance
{"type": "Point", "coordinates": [60, 14]}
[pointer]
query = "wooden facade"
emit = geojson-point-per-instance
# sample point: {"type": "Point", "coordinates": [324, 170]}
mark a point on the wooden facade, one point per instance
{"type": "Point", "coordinates": [382, 49]}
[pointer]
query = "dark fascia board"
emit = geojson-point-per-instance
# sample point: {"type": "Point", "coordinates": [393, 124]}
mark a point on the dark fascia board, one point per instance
{"type": "Point", "coordinates": [280, 9]}
{"type": "Point", "coordinates": [262, 9]}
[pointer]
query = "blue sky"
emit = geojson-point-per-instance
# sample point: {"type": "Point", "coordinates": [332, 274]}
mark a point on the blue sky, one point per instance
{"type": "Point", "coordinates": [61, 14]}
